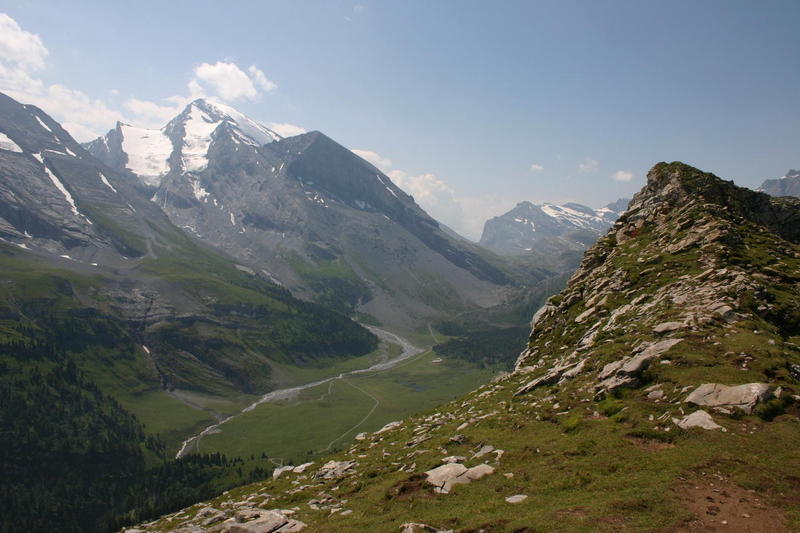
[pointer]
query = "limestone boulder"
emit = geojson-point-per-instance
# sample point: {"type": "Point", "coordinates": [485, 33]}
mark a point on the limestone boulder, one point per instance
{"type": "Point", "coordinates": [266, 522]}
{"type": "Point", "coordinates": [742, 397]}
{"type": "Point", "coordinates": [447, 476]}
{"type": "Point", "coordinates": [666, 327]}
{"type": "Point", "coordinates": [444, 477]}
{"type": "Point", "coordinates": [698, 419]}
{"type": "Point", "coordinates": [335, 469]}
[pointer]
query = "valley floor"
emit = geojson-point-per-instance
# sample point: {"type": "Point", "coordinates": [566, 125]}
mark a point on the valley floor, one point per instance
{"type": "Point", "coordinates": [290, 425]}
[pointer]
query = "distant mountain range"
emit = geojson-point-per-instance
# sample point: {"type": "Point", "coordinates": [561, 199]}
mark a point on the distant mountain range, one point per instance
{"type": "Point", "coordinates": [310, 215]}
{"type": "Point", "coordinates": [788, 185]}
{"type": "Point", "coordinates": [549, 228]}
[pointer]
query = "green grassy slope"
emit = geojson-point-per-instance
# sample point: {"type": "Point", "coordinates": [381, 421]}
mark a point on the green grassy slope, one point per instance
{"type": "Point", "coordinates": [333, 413]}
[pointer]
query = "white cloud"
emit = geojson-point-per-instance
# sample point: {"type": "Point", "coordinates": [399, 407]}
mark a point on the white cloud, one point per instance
{"type": "Point", "coordinates": [465, 214]}
{"type": "Point", "coordinates": [151, 115]}
{"type": "Point", "coordinates": [20, 47]}
{"type": "Point", "coordinates": [285, 130]}
{"type": "Point", "coordinates": [80, 132]}
{"type": "Point", "coordinates": [589, 165]}
{"type": "Point", "coordinates": [426, 189]}
{"type": "Point", "coordinates": [228, 81]}
{"type": "Point", "coordinates": [195, 90]}
{"type": "Point", "coordinates": [260, 79]}
{"type": "Point", "coordinates": [82, 116]}
{"type": "Point", "coordinates": [536, 168]}
{"type": "Point", "coordinates": [383, 163]}
{"type": "Point", "coordinates": [22, 54]}
{"type": "Point", "coordinates": [622, 175]}
{"type": "Point", "coordinates": [14, 78]}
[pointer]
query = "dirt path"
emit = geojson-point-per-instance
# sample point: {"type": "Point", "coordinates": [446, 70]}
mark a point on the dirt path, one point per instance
{"type": "Point", "coordinates": [375, 405]}
{"type": "Point", "coordinates": [433, 335]}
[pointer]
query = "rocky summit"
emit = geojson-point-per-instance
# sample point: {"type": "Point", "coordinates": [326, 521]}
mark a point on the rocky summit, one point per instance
{"type": "Point", "coordinates": [658, 392]}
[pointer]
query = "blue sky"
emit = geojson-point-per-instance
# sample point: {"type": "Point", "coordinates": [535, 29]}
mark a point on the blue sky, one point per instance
{"type": "Point", "coordinates": [470, 106]}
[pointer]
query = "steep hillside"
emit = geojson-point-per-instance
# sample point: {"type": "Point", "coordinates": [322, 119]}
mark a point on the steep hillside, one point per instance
{"type": "Point", "coordinates": [787, 185]}
{"type": "Point", "coordinates": [657, 392]}
{"type": "Point", "coordinates": [311, 215]}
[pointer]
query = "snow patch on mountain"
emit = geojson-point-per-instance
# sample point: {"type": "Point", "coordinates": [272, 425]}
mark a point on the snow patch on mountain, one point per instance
{"type": "Point", "coordinates": [105, 181]}
{"type": "Point", "coordinates": [572, 216]}
{"type": "Point", "coordinates": [198, 128]}
{"type": "Point", "coordinates": [199, 192]}
{"type": "Point", "coordinates": [148, 153]}
{"type": "Point", "coordinates": [251, 129]}
{"type": "Point", "coordinates": [45, 126]}
{"type": "Point", "coordinates": [7, 144]}
{"type": "Point", "coordinates": [64, 191]}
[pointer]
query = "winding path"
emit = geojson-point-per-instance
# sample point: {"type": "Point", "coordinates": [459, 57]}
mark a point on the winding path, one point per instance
{"type": "Point", "coordinates": [374, 406]}
{"type": "Point", "coordinates": [409, 350]}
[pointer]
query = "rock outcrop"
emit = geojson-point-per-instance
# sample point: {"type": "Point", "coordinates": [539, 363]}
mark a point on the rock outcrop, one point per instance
{"type": "Point", "coordinates": [742, 397]}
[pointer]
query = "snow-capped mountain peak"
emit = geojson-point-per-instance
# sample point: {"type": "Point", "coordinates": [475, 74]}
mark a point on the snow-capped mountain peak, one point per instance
{"type": "Point", "coordinates": [572, 214]}
{"type": "Point", "coordinates": [148, 153]}
{"type": "Point", "coordinates": [248, 127]}
{"type": "Point", "coordinates": [520, 229]}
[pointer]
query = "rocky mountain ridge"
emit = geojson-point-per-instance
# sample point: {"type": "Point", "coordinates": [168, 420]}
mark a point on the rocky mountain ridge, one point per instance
{"type": "Point", "coordinates": [658, 392]}
{"type": "Point", "coordinates": [312, 216]}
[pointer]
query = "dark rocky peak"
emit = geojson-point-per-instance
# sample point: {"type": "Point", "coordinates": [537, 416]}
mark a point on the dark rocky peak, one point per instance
{"type": "Point", "coordinates": [322, 165]}
{"type": "Point", "coordinates": [319, 161]}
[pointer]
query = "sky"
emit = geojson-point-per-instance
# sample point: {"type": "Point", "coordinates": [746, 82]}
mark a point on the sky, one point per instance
{"type": "Point", "coordinates": [469, 106]}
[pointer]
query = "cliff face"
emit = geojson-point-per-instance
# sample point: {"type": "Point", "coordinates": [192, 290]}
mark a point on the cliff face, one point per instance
{"type": "Point", "coordinates": [658, 392]}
